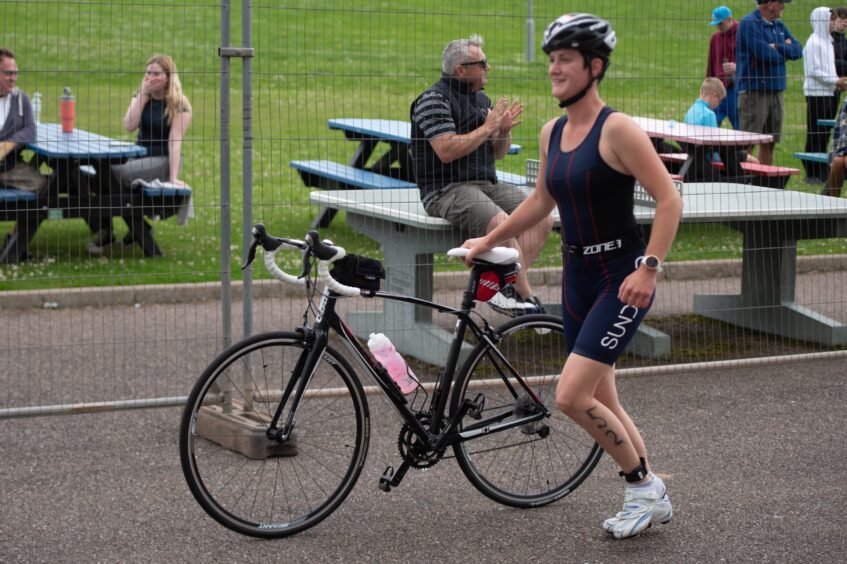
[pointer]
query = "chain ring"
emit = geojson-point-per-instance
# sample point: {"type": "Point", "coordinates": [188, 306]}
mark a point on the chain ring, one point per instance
{"type": "Point", "coordinates": [412, 449]}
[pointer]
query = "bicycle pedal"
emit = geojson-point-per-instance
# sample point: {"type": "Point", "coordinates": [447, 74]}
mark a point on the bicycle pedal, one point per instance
{"type": "Point", "coordinates": [476, 406]}
{"type": "Point", "coordinates": [385, 479]}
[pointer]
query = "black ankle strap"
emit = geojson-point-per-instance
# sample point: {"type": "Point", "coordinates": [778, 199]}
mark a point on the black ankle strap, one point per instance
{"type": "Point", "coordinates": [636, 475]}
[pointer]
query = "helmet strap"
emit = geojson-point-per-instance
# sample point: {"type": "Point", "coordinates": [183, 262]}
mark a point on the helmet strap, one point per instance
{"type": "Point", "coordinates": [581, 94]}
{"type": "Point", "coordinates": [577, 97]}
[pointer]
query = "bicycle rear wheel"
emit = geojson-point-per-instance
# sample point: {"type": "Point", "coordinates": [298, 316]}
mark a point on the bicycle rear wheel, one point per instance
{"type": "Point", "coordinates": [536, 463]}
{"type": "Point", "coordinates": [258, 486]}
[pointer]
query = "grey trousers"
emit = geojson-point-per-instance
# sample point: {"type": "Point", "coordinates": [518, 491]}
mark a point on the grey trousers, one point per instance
{"type": "Point", "coordinates": [146, 168]}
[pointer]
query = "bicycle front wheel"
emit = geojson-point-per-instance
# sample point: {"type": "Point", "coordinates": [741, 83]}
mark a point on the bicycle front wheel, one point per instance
{"type": "Point", "coordinates": [532, 464]}
{"type": "Point", "coordinates": [256, 485]}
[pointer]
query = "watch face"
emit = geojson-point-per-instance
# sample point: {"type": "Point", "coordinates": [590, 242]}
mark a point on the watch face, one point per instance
{"type": "Point", "coordinates": [651, 262]}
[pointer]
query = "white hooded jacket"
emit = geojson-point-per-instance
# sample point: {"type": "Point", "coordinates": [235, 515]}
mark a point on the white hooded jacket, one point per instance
{"type": "Point", "coordinates": [819, 57]}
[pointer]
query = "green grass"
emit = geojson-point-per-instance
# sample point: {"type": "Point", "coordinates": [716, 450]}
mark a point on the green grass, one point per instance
{"type": "Point", "coordinates": [315, 60]}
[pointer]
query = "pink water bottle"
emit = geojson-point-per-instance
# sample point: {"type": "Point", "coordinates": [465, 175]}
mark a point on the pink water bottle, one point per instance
{"type": "Point", "coordinates": [387, 355]}
{"type": "Point", "coordinates": [67, 111]}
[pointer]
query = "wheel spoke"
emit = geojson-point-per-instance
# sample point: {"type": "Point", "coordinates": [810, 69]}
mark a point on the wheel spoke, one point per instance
{"type": "Point", "coordinates": [258, 486]}
{"type": "Point", "coordinates": [534, 463]}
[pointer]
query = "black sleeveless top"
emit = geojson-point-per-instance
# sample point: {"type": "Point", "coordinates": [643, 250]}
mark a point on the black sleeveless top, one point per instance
{"type": "Point", "coordinates": [154, 129]}
{"type": "Point", "coordinates": [595, 201]}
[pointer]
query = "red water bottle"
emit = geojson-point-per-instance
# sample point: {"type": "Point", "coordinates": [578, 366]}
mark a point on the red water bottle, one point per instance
{"type": "Point", "coordinates": [67, 111]}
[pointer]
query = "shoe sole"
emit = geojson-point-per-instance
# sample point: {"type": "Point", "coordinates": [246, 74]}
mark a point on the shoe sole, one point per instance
{"type": "Point", "coordinates": [639, 533]}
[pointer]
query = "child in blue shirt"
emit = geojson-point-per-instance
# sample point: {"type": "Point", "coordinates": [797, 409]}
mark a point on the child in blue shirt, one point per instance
{"type": "Point", "coordinates": [702, 112]}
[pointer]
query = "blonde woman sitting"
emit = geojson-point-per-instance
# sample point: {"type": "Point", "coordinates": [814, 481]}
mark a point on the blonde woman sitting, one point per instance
{"type": "Point", "coordinates": [161, 114]}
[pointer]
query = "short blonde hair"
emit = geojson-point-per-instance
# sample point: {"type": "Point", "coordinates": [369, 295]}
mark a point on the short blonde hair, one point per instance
{"type": "Point", "coordinates": [713, 85]}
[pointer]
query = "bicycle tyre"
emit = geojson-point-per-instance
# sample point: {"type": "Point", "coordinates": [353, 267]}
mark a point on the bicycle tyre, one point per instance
{"type": "Point", "coordinates": [518, 466]}
{"type": "Point", "coordinates": [249, 483]}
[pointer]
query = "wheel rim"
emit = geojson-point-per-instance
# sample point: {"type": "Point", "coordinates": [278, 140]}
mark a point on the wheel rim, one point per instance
{"type": "Point", "coordinates": [258, 486]}
{"type": "Point", "coordinates": [536, 463]}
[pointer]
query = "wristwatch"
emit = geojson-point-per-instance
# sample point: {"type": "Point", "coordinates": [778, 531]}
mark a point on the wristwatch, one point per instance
{"type": "Point", "coordinates": [652, 262]}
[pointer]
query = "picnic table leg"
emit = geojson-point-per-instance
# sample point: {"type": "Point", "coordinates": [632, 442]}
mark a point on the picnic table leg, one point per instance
{"type": "Point", "coordinates": [324, 218]}
{"type": "Point", "coordinates": [362, 153]}
{"type": "Point", "coordinates": [397, 153]}
{"type": "Point", "coordinates": [360, 158]}
{"type": "Point", "coordinates": [17, 243]}
{"type": "Point", "coordinates": [768, 282]}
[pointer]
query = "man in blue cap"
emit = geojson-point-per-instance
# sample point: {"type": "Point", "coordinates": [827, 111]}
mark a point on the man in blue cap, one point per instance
{"type": "Point", "coordinates": [764, 44]}
{"type": "Point", "coordinates": [721, 63]}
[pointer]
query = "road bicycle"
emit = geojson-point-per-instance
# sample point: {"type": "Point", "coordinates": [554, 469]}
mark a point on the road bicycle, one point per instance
{"type": "Point", "coordinates": [275, 432]}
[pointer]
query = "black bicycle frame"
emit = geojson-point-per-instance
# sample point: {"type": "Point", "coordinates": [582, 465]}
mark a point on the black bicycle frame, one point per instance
{"type": "Point", "coordinates": [327, 319]}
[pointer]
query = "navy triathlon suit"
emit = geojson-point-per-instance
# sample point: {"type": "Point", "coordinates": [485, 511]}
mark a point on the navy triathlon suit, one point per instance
{"type": "Point", "coordinates": [600, 243]}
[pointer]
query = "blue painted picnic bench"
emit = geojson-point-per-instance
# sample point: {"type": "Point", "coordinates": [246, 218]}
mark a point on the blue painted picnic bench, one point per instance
{"type": "Point", "coordinates": [14, 196]}
{"type": "Point", "coordinates": [813, 157]}
{"type": "Point", "coordinates": [392, 170]}
{"type": "Point", "coordinates": [329, 175]}
{"type": "Point", "coordinates": [80, 187]}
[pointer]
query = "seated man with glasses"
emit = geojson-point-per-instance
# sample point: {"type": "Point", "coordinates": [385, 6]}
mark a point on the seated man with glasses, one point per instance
{"type": "Point", "coordinates": [17, 128]}
{"type": "Point", "coordinates": [456, 137]}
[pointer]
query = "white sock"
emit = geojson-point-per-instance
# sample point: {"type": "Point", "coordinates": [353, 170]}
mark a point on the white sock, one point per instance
{"type": "Point", "coordinates": [649, 483]}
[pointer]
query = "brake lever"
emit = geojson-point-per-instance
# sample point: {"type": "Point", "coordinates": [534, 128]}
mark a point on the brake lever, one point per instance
{"type": "Point", "coordinates": [251, 254]}
{"type": "Point", "coordinates": [307, 264]}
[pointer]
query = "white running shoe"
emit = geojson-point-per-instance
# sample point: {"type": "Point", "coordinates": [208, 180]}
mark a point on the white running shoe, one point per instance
{"type": "Point", "coordinates": [508, 302]}
{"type": "Point", "coordinates": [641, 509]}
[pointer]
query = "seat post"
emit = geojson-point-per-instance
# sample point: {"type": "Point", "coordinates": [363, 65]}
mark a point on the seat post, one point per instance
{"type": "Point", "coordinates": [469, 296]}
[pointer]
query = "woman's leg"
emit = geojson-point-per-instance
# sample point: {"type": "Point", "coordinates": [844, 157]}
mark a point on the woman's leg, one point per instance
{"type": "Point", "coordinates": [122, 175]}
{"type": "Point", "coordinates": [146, 168]}
{"type": "Point", "coordinates": [576, 396]}
{"type": "Point", "coordinates": [607, 394]}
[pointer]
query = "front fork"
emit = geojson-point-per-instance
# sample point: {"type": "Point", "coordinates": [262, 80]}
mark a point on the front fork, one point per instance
{"type": "Point", "coordinates": [315, 343]}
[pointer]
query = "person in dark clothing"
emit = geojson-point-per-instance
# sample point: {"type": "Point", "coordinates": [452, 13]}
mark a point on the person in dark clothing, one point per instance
{"type": "Point", "coordinates": [456, 137]}
{"type": "Point", "coordinates": [589, 162]}
{"type": "Point", "coordinates": [161, 114]}
{"type": "Point", "coordinates": [721, 63]}
{"type": "Point", "coordinates": [839, 44]}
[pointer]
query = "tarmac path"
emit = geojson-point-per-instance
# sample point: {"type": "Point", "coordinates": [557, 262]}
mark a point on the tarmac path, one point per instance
{"type": "Point", "coordinates": [756, 459]}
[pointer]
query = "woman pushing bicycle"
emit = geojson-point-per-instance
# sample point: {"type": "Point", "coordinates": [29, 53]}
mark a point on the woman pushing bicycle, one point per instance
{"type": "Point", "coordinates": [590, 160]}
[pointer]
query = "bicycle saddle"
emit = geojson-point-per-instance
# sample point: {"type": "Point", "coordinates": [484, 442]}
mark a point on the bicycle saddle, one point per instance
{"type": "Point", "coordinates": [497, 255]}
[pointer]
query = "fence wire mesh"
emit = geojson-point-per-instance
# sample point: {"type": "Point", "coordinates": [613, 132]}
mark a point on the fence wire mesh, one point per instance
{"type": "Point", "coordinates": [87, 322]}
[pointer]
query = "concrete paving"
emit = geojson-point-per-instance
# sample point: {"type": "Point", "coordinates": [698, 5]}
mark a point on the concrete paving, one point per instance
{"type": "Point", "coordinates": [755, 458]}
